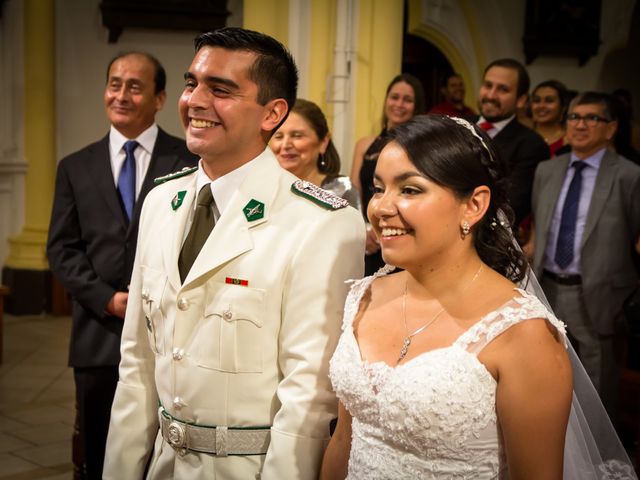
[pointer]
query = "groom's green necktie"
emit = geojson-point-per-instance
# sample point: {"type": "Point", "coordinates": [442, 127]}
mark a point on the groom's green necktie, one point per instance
{"type": "Point", "coordinates": [203, 222]}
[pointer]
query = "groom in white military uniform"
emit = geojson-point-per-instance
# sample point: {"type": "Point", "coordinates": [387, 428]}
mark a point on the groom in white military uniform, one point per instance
{"type": "Point", "coordinates": [236, 299]}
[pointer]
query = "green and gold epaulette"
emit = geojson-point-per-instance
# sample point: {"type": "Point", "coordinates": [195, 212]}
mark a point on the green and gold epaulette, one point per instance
{"type": "Point", "coordinates": [318, 195]}
{"type": "Point", "coordinates": [172, 176]}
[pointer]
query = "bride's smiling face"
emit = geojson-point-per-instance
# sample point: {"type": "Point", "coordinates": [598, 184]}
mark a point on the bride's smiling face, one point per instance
{"type": "Point", "coordinates": [414, 218]}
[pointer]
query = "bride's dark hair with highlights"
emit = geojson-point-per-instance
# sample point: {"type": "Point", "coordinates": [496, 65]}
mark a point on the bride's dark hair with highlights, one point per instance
{"type": "Point", "coordinates": [450, 155]}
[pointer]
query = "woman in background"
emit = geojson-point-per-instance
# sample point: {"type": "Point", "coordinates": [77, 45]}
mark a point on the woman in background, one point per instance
{"type": "Point", "coordinates": [404, 99]}
{"type": "Point", "coordinates": [549, 103]}
{"type": "Point", "coordinates": [303, 146]}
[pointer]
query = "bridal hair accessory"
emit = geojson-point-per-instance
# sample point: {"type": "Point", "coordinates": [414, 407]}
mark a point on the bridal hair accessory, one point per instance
{"type": "Point", "coordinates": [465, 228]}
{"type": "Point", "coordinates": [471, 128]}
{"type": "Point", "coordinates": [495, 222]}
{"type": "Point", "coordinates": [501, 220]}
{"type": "Point", "coordinates": [406, 343]}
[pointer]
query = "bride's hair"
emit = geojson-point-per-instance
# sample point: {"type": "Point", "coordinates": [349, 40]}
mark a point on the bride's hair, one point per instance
{"type": "Point", "coordinates": [460, 157]}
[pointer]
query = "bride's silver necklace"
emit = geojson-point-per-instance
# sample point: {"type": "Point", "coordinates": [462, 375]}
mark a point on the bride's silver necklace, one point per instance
{"type": "Point", "coordinates": [406, 343]}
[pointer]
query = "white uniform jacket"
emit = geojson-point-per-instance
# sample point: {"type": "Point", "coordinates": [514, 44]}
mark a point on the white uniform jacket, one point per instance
{"type": "Point", "coordinates": [216, 353]}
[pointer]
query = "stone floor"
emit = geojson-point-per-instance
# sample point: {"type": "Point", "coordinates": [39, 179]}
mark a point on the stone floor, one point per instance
{"type": "Point", "coordinates": [36, 399]}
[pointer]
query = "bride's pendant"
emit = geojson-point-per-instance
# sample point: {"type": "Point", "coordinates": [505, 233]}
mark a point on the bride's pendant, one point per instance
{"type": "Point", "coordinates": [404, 349]}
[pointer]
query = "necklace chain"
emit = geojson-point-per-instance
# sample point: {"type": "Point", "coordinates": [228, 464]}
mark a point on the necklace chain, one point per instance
{"type": "Point", "coordinates": [556, 134]}
{"type": "Point", "coordinates": [406, 343]}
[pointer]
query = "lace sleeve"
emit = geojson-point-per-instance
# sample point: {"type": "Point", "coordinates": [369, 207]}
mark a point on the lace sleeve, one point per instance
{"type": "Point", "coordinates": [352, 302]}
{"type": "Point", "coordinates": [518, 309]}
{"type": "Point", "coordinates": [358, 289]}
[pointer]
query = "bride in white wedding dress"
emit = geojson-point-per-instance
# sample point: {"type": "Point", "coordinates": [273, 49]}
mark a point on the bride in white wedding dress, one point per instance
{"type": "Point", "coordinates": [447, 370]}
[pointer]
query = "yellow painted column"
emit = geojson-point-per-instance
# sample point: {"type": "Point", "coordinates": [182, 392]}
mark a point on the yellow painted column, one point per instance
{"type": "Point", "coordinates": [379, 59]}
{"type": "Point", "coordinates": [267, 16]}
{"type": "Point", "coordinates": [27, 249]}
{"type": "Point", "coordinates": [323, 40]}
{"type": "Point", "coordinates": [272, 17]}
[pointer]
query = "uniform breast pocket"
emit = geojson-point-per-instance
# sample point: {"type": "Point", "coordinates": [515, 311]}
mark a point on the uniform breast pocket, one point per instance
{"type": "Point", "coordinates": [230, 334]}
{"type": "Point", "coordinates": [153, 285]}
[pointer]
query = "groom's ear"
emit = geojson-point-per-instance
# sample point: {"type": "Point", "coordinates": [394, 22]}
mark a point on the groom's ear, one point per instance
{"type": "Point", "coordinates": [476, 205]}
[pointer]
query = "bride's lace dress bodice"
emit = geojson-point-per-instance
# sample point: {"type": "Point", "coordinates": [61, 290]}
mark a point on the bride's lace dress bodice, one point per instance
{"type": "Point", "coordinates": [433, 417]}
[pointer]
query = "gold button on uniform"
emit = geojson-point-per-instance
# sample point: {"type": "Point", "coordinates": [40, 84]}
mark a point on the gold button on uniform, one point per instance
{"type": "Point", "coordinates": [178, 353]}
{"type": "Point", "coordinates": [178, 403]}
{"type": "Point", "coordinates": [183, 304]}
{"type": "Point", "coordinates": [227, 314]}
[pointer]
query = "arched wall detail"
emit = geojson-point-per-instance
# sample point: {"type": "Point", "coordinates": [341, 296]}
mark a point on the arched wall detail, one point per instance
{"type": "Point", "coordinates": [450, 27]}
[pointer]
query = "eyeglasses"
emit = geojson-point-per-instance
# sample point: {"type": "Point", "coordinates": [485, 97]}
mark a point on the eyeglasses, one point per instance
{"type": "Point", "coordinates": [590, 120]}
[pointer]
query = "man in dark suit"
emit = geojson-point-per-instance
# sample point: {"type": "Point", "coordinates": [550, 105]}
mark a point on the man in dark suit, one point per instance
{"type": "Point", "coordinates": [504, 90]}
{"type": "Point", "coordinates": [94, 225]}
{"type": "Point", "coordinates": [586, 207]}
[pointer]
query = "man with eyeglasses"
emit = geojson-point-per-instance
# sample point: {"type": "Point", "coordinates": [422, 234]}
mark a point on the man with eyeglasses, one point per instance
{"type": "Point", "coordinates": [586, 207]}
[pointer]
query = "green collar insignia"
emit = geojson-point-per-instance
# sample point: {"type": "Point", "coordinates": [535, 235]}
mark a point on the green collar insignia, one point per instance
{"type": "Point", "coordinates": [177, 200]}
{"type": "Point", "coordinates": [254, 210]}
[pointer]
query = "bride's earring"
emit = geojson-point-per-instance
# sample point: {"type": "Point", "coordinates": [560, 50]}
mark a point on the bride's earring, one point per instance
{"type": "Point", "coordinates": [465, 228]}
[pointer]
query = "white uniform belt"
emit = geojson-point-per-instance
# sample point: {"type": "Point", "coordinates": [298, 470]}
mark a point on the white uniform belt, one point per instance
{"type": "Point", "coordinates": [217, 440]}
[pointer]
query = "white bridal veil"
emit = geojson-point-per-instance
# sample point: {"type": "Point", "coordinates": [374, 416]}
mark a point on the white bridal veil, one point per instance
{"type": "Point", "coordinates": [592, 448]}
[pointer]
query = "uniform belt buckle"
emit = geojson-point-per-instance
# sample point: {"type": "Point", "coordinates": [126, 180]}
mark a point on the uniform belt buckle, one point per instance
{"type": "Point", "coordinates": [177, 437]}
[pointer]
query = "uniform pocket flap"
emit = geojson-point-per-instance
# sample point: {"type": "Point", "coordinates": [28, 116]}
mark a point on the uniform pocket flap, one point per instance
{"type": "Point", "coordinates": [233, 303]}
{"type": "Point", "coordinates": [153, 286]}
{"type": "Point", "coordinates": [153, 283]}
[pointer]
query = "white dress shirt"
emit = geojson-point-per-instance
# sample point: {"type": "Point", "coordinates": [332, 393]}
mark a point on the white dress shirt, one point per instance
{"type": "Point", "coordinates": [589, 175]}
{"type": "Point", "coordinates": [222, 190]}
{"type": "Point", "coordinates": [497, 126]}
{"type": "Point", "coordinates": [146, 140]}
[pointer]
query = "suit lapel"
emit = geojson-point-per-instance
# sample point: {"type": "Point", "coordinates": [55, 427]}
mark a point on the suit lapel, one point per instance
{"type": "Point", "coordinates": [163, 160]}
{"type": "Point", "coordinates": [99, 167]}
{"type": "Point", "coordinates": [232, 236]}
{"type": "Point", "coordinates": [506, 133]}
{"type": "Point", "coordinates": [601, 189]}
{"type": "Point", "coordinates": [552, 191]}
{"type": "Point", "coordinates": [550, 195]}
{"type": "Point", "coordinates": [504, 136]}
